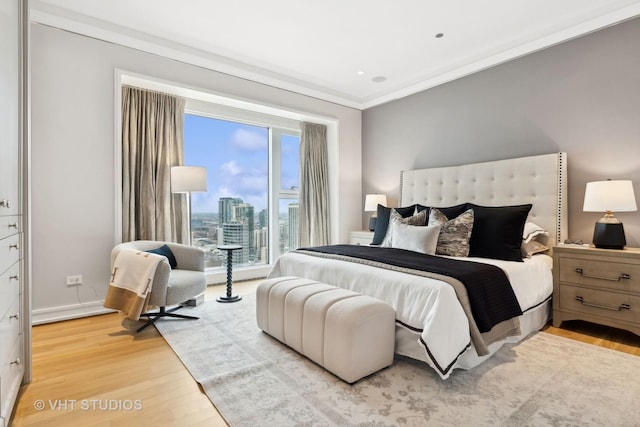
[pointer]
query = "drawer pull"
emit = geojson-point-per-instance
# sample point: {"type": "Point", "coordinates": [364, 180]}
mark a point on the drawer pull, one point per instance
{"type": "Point", "coordinates": [14, 225]}
{"type": "Point", "coordinates": [613, 279]}
{"type": "Point", "coordinates": [4, 203]}
{"type": "Point", "coordinates": [15, 316]}
{"type": "Point", "coordinates": [14, 246]}
{"type": "Point", "coordinates": [15, 362]}
{"type": "Point", "coordinates": [14, 277]}
{"type": "Point", "coordinates": [606, 307]}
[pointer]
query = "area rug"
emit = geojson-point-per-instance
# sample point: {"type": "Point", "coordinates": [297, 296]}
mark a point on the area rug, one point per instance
{"type": "Point", "coordinates": [545, 380]}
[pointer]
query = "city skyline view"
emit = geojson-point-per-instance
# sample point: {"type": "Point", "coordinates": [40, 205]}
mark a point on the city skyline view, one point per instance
{"type": "Point", "coordinates": [236, 156]}
{"type": "Point", "coordinates": [235, 207]}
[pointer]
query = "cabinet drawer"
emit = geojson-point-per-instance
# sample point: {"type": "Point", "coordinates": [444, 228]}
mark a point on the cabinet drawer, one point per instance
{"type": "Point", "coordinates": [9, 288]}
{"type": "Point", "coordinates": [9, 251]}
{"type": "Point", "coordinates": [11, 373]}
{"type": "Point", "coordinates": [602, 274]}
{"type": "Point", "coordinates": [9, 225]}
{"type": "Point", "coordinates": [611, 305]}
{"type": "Point", "coordinates": [9, 329]}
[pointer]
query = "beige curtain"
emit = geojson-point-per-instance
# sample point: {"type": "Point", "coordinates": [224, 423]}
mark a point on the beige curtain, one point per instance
{"type": "Point", "coordinates": [314, 186]}
{"type": "Point", "coordinates": [152, 142]}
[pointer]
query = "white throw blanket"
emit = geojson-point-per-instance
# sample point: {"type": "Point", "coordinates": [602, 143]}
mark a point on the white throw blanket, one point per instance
{"type": "Point", "coordinates": [131, 280]}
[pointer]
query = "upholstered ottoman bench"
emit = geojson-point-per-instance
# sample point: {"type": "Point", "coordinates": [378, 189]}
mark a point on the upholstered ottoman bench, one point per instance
{"type": "Point", "coordinates": [349, 334]}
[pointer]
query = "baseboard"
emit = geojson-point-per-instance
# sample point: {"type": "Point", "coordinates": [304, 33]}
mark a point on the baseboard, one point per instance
{"type": "Point", "coordinates": [66, 312]}
{"type": "Point", "coordinates": [240, 274]}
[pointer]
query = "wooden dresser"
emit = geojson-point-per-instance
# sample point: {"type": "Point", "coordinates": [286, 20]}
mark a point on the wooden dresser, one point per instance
{"type": "Point", "coordinates": [597, 285]}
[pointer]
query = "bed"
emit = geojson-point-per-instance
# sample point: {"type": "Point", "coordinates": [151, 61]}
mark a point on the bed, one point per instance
{"type": "Point", "coordinates": [436, 318]}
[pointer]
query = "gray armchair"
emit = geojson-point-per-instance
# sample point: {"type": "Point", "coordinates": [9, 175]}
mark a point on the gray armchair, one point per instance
{"type": "Point", "coordinates": [170, 286]}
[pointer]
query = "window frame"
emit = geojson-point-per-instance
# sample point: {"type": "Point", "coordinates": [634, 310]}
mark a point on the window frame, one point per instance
{"type": "Point", "coordinates": [277, 127]}
{"type": "Point", "coordinates": [289, 110]}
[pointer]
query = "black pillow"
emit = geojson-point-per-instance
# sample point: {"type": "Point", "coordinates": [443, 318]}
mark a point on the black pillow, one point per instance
{"type": "Point", "coordinates": [382, 223]}
{"type": "Point", "coordinates": [420, 208]}
{"type": "Point", "coordinates": [497, 231]}
{"type": "Point", "coordinates": [454, 211]}
{"type": "Point", "coordinates": [450, 212]}
{"type": "Point", "coordinates": [165, 251]}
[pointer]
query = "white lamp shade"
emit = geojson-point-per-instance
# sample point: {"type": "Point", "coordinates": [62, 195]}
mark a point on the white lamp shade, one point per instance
{"type": "Point", "coordinates": [614, 196]}
{"type": "Point", "coordinates": [188, 179]}
{"type": "Point", "coordinates": [371, 202]}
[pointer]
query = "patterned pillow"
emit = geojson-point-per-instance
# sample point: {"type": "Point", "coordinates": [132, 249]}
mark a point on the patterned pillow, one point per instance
{"type": "Point", "coordinates": [419, 218]}
{"type": "Point", "coordinates": [454, 234]}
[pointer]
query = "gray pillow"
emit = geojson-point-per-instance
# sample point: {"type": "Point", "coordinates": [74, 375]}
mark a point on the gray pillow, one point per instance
{"type": "Point", "coordinates": [417, 238]}
{"type": "Point", "coordinates": [419, 218]}
{"type": "Point", "coordinates": [454, 234]}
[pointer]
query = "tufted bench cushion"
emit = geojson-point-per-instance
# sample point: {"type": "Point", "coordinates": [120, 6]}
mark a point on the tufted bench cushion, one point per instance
{"type": "Point", "coordinates": [349, 334]}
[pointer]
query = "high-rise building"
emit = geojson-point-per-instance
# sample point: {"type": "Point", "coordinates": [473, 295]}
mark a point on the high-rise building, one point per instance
{"type": "Point", "coordinates": [243, 213]}
{"type": "Point", "coordinates": [234, 233]}
{"type": "Point", "coordinates": [237, 222]}
{"type": "Point", "coordinates": [263, 218]}
{"type": "Point", "coordinates": [294, 221]}
{"type": "Point", "coordinates": [262, 245]}
{"type": "Point", "coordinates": [226, 207]}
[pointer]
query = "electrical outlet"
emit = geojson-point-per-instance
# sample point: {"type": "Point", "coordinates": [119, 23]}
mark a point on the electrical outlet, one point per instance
{"type": "Point", "coordinates": [74, 280]}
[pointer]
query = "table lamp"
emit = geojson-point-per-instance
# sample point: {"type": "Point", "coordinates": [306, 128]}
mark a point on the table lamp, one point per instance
{"type": "Point", "coordinates": [609, 196]}
{"type": "Point", "coordinates": [371, 202]}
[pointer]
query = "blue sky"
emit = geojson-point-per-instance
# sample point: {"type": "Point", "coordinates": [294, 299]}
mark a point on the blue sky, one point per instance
{"type": "Point", "coordinates": [236, 158]}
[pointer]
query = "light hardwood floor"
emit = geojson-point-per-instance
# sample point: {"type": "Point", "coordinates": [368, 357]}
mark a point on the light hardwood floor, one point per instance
{"type": "Point", "coordinates": [81, 364]}
{"type": "Point", "coordinates": [96, 361]}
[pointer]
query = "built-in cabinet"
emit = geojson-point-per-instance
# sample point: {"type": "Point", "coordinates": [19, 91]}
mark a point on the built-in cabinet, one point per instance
{"type": "Point", "coordinates": [14, 320]}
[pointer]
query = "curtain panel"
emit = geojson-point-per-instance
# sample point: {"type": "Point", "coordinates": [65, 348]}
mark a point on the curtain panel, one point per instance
{"type": "Point", "coordinates": [314, 224]}
{"type": "Point", "coordinates": [152, 142]}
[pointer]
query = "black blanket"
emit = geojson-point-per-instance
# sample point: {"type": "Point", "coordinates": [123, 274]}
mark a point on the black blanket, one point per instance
{"type": "Point", "coordinates": [491, 296]}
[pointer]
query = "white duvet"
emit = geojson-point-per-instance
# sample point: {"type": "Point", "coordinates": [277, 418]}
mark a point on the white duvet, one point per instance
{"type": "Point", "coordinates": [422, 303]}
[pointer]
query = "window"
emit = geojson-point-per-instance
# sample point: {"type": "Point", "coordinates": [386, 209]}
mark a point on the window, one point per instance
{"type": "Point", "coordinates": [253, 183]}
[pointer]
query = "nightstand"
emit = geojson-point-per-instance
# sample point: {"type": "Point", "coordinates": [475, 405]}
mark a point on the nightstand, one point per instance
{"type": "Point", "coordinates": [363, 237]}
{"type": "Point", "coordinates": [597, 285]}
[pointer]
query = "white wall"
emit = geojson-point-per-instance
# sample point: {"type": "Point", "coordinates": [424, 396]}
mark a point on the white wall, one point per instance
{"type": "Point", "coordinates": [73, 143]}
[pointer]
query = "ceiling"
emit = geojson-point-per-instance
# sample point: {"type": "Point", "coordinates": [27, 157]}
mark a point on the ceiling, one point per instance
{"type": "Point", "coordinates": [358, 53]}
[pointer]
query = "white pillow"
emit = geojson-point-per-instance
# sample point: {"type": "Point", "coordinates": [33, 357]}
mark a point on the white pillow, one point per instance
{"type": "Point", "coordinates": [417, 238]}
{"type": "Point", "coordinates": [531, 231]}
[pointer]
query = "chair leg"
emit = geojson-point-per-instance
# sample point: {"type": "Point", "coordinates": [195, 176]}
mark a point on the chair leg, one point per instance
{"type": "Point", "coordinates": [163, 313]}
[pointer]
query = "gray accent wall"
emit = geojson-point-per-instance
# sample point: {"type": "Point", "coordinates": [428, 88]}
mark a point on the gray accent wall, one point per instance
{"type": "Point", "coordinates": [581, 97]}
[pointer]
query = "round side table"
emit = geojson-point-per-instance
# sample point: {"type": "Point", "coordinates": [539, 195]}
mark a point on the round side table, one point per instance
{"type": "Point", "coordinates": [229, 297]}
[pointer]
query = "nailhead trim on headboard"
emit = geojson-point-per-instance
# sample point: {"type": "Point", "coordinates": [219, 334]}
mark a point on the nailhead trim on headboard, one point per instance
{"type": "Point", "coordinates": [539, 180]}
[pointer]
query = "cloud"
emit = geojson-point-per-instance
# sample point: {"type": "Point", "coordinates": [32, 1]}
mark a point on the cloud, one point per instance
{"type": "Point", "coordinates": [252, 185]}
{"type": "Point", "coordinates": [231, 168]}
{"type": "Point", "coordinates": [249, 140]}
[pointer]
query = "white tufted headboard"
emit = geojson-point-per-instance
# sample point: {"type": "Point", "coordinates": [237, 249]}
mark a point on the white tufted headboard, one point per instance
{"type": "Point", "coordinates": [539, 180]}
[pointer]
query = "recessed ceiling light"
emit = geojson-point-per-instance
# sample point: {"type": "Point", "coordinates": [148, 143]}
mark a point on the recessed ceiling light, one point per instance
{"type": "Point", "coordinates": [378, 79]}
{"type": "Point", "coordinates": [360, 73]}
{"type": "Point", "coordinates": [439, 35]}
